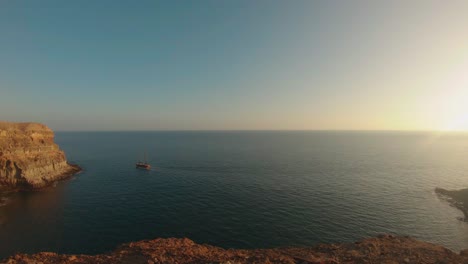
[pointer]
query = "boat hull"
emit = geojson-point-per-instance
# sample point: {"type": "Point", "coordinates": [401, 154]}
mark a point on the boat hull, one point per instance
{"type": "Point", "coordinates": [143, 166]}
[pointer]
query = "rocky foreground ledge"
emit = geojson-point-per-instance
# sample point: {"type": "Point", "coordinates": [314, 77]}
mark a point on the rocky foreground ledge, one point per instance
{"type": "Point", "coordinates": [383, 249]}
{"type": "Point", "coordinates": [29, 158]}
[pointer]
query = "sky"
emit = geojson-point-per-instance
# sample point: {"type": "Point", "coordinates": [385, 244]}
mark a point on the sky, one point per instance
{"type": "Point", "coordinates": [235, 65]}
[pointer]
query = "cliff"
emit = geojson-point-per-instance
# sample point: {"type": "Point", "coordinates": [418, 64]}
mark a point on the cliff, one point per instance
{"type": "Point", "coordinates": [383, 249]}
{"type": "Point", "coordinates": [29, 158]}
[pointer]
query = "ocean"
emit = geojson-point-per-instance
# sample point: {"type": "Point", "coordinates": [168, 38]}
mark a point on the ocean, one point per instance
{"type": "Point", "coordinates": [243, 189]}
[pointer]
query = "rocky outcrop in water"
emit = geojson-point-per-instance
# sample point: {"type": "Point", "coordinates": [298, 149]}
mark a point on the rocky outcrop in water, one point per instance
{"type": "Point", "coordinates": [29, 158]}
{"type": "Point", "coordinates": [456, 198]}
{"type": "Point", "coordinates": [383, 249]}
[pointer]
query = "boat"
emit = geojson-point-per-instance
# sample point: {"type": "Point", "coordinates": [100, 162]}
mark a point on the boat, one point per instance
{"type": "Point", "coordinates": [143, 165]}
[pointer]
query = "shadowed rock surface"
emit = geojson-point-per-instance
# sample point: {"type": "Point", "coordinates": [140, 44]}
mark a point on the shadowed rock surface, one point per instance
{"type": "Point", "coordinates": [29, 158]}
{"type": "Point", "coordinates": [383, 249]}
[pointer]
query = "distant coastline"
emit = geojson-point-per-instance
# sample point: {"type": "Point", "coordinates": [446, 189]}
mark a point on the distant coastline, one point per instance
{"type": "Point", "coordinates": [456, 198]}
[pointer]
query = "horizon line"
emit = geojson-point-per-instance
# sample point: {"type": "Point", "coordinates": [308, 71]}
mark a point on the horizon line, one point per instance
{"type": "Point", "coordinates": [272, 130]}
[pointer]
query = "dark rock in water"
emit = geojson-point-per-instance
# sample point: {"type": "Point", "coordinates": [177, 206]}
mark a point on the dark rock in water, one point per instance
{"type": "Point", "coordinates": [29, 158]}
{"type": "Point", "coordinates": [457, 198]}
{"type": "Point", "coordinates": [384, 249]}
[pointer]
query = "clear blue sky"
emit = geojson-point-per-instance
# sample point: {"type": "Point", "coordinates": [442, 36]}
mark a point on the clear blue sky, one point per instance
{"type": "Point", "coordinates": [150, 65]}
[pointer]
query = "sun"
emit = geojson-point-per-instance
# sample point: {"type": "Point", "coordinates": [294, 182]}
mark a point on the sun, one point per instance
{"type": "Point", "coordinates": [450, 104]}
{"type": "Point", "coordinates": [449, 110]}
{"type": "Point", "coordinates": [453, 116]}
{"type": "Point", "coordinates": [460, 124]}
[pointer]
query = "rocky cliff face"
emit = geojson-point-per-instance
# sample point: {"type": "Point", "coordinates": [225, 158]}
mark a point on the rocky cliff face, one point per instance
{"type": "Point", "coordinates": [29, 158]}
{"type": "Point", "coordinates": [384, 249]}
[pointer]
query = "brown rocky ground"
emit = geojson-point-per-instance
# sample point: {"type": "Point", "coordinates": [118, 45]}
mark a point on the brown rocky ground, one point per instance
{"type": "Point", "coordinates": [29, 158]}
{"type": "Point", "coordinates": [383, 249]}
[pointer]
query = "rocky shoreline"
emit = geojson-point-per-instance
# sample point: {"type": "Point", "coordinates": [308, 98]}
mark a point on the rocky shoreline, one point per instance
{"type": "Point", "coordinates": [382, 249]}
{"type": "Point", "coordinates": [456, 198]}
{"type": "Point", "coordinates": [29, 157]}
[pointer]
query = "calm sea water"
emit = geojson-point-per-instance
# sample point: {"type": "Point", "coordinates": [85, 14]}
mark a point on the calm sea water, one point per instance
{"type": "Point", "coordinates": [243, 190]}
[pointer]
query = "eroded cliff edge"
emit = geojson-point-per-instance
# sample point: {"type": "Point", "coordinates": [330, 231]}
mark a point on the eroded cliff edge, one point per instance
{"type": "Point", "coordinates": [29, 158]}
{"type": "Point", "coordinates": [383, 249]}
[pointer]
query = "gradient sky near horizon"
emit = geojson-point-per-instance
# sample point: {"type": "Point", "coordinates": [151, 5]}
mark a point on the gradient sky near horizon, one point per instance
{"type": "Point", "coordinates": [183, 65]}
